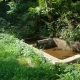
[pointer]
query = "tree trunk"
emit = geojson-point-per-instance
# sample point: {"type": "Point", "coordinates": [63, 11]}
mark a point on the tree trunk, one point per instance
{"type": "Point", "coordinates": [48, 6]}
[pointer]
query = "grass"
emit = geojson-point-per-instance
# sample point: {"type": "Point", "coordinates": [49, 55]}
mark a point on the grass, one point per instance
{"type": "Point", "coordinates": [14, 61]}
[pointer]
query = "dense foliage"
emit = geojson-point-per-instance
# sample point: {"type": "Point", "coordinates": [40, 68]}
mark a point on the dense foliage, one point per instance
{"type": "Point", "coordinates": [48, 18]}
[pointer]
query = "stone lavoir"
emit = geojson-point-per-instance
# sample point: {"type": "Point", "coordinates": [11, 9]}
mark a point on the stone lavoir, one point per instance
{"type": "Point", "coordinates": [56, 50]}
{"type": "Point", "coordinates": [60, 54]}
{"type": "Point", "coordinates": [58, 47]}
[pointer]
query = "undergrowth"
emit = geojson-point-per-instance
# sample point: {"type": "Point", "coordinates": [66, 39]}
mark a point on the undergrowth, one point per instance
{"type": "Point", "coordinates": [14, 64]}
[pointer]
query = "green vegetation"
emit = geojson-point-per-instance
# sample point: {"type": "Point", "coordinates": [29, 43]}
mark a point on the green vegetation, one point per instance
{"type": "Point", "coordinates": [14, 57]}
{"type": "Point", "coordinates": [27, 19]}
{"type": "Point", "coordinates": [47, 18]}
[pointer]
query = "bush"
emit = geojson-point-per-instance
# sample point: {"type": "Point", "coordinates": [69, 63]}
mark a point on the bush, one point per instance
{"type": "Point", "coordinates": [71, 72]}
{"type": "Point", "coordinates": [70, 35]}
{"type": "Point", "coordinates": [76, 7]}
{"type": "Point", "coordinates": [4, 25]}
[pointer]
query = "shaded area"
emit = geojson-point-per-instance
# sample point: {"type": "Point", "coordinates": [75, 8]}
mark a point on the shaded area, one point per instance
{"type": "Point", "coordinates": [11, 69]}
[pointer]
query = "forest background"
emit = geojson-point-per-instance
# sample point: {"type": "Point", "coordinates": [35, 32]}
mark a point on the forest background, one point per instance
{"type": "Point", "coordinates": [46, 18]}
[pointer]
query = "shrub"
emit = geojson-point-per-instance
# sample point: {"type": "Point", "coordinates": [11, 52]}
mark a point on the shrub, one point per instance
{"type": "Point", "coordinates": [71, 72]}
{"type": "Point", "coordinates": [76, 7]}
{"type": "Point", "coordinates": [4, 25]}
{"type": "Point", "coordinates": [70, 35]}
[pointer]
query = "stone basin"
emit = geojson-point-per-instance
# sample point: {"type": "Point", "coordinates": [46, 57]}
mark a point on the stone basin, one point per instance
{"type": "Point", "coordinates": [61, 47]}
{"type": "Point", "coordinates": [54, 60]}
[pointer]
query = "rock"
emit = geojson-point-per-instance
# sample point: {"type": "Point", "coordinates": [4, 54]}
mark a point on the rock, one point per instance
{"type": "Point", "coordinates": [46, 43]}
{"type": "Point", "coordinates": [75, 46]}
{"type": "Point", "coordinates": [62, 44]}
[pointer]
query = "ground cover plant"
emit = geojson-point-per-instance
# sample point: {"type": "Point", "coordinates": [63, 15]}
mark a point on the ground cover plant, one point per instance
{"type": "Point", "coordinates": [14, 65]}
